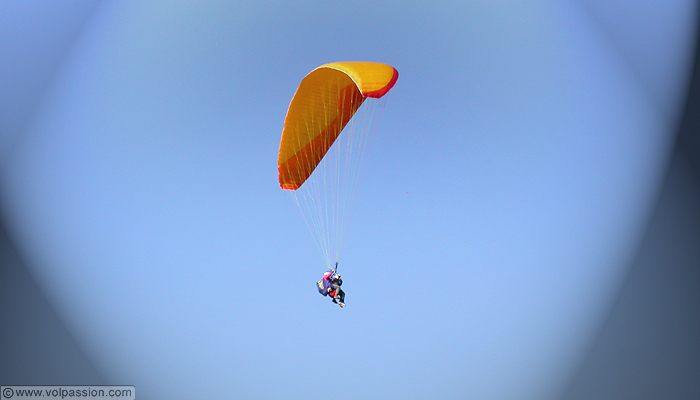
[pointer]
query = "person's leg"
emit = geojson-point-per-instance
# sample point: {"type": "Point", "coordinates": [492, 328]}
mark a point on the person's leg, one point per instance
{"type": "Point", "coordinates": [341, 296]}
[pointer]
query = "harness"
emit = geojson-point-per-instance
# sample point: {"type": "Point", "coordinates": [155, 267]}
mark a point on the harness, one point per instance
{"type": "Point", "coordinates": [324, 285]}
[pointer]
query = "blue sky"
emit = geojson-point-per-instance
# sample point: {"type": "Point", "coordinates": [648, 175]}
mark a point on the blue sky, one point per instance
{"type": "Point", "coordinates": [514, 170]}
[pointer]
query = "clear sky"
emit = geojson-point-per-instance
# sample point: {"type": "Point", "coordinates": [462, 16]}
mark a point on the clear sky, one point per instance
{"type": "Point", "coordinates": [514, 170]}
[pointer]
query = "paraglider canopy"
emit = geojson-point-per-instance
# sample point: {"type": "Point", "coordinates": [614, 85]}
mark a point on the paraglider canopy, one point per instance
{"type": "Point", "coordinates": [321, 107]}
{"type": "Point", "coordinates": [318, 165]}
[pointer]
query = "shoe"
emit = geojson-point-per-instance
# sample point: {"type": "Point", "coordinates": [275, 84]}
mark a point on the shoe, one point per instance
{"type": "Point", "coordinates": [341, 305]}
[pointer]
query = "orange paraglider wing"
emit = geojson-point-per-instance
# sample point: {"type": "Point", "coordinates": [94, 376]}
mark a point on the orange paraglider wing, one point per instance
{"type": "Point", "coordinates": [324, 103]}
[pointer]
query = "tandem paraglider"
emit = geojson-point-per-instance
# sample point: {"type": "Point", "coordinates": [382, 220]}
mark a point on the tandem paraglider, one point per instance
{"type": "Point", "coordinates": [317, 164]}
{"type": "Point", "coordinates": [330, 285]}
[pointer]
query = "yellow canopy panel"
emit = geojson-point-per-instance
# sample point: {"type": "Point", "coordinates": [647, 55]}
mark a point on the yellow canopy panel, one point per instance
{"type": "Point", "coordinates": [324, 103]}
